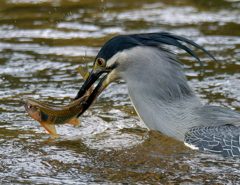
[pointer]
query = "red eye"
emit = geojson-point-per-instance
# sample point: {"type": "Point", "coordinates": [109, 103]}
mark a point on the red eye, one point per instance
{"type": "Point", "coordinates": [100, 62]}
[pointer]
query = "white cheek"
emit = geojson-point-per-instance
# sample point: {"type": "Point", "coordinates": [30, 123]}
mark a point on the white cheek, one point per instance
{"type": "Point", "coordinates": [112, 76]}
{"type": "Point", "coordinates": [112, 60]}
{"type": "Point", "coordinates": [119, 57]}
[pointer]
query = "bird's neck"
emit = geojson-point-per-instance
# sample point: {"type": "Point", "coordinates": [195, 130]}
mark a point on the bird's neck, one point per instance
{"type": "Point", "coordinates": [161, 95]}
{"type": "Point", "coordinates": [170, 118]}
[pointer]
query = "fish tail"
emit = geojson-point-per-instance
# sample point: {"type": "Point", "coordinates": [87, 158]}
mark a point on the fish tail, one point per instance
{"type": "Point", "coordinates": [83, 70]}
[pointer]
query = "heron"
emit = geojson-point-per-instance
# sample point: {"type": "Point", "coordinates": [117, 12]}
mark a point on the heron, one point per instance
{"type": "Point", "coordinates": [160, 93]}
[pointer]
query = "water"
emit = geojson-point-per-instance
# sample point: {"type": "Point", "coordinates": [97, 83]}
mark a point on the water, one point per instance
{"type": "Point", "coordinates": [41, 45]}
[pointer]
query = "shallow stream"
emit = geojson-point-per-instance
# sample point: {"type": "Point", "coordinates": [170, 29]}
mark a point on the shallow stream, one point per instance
{"type": "Point", "coordinates": [41, 45]}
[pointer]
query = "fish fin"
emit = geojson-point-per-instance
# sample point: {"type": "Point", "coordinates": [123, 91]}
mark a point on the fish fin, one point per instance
{"type": "Point", "coordinates": [83, 72]}
{"type": "Point", "coordinates": [50, 128]}
{"type": "Point", "coordinates": [82, 99]}
{"type": "Point", "coordinates": [90, 90]}
{"type": "Point", "coordinates": [74, 121]}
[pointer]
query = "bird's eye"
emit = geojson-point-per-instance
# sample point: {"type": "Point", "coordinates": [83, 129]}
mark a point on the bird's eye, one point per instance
{"type": "Point", "coordinates": [100, 62]}
{"type": "Point", "coordinates": [29, 106]}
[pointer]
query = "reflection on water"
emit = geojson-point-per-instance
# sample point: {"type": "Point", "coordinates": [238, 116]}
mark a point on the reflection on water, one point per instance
{"type": "Point", "coordinates": [41, 45]}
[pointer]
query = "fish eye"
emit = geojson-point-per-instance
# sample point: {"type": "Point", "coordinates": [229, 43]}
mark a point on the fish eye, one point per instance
{"type": "Point", "coordinates": [101, 62]}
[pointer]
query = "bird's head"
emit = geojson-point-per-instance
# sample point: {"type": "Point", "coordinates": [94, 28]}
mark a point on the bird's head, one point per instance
{"type": "Point", "coordinates": [107, 63]}
{"type": "Point", "coordinates": [112, 59]}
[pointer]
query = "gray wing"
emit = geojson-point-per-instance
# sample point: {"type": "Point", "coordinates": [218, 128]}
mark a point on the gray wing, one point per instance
{"type": "Point", "coordinates": [223, 140]}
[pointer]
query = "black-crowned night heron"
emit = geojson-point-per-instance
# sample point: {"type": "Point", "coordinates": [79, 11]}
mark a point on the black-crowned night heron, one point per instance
{"type": "Point", "coordinates": [160, 93]}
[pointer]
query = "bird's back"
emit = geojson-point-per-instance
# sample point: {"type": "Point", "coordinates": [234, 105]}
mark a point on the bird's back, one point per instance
{"type": "Point", "coordinates": [216, 116]}
{"type": "Point", "coordinates": [219, 131]}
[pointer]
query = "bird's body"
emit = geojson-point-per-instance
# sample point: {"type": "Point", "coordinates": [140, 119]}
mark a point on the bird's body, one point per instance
{"type": "Point", "coordinates": [160, 92]}
{"type": "Point", "coordinates": [172, 107]}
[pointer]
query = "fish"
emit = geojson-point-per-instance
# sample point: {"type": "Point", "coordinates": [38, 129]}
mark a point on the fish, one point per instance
{"type": "Point", "coordinates": [49, 115]}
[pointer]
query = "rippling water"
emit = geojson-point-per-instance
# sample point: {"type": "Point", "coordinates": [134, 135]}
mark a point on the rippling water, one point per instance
{"type": "Point", "coordinates": [41, 45]}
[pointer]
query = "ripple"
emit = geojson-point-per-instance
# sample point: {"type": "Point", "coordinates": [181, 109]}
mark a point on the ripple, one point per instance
{"type": "Point", "coordinates": [77, 26]}
{"type": "Point", "coordinates": [30, 1]}
{"type": "Point", "coordinates": [46, 50]}
{"type": "Point", "coordinates": [176, 15]}
{"type": "Point", "coordinates": [42, 44]}
{"type": "Point", "coordinates": [49, 33]}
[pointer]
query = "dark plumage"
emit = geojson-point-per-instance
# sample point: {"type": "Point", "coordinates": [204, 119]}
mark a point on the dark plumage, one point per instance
{"type": "Point", "coordinates": [124, 42]}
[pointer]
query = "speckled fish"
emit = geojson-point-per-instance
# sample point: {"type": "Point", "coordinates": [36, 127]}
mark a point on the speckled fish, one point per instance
{"type": "Point", "coordinates": [49, 115]}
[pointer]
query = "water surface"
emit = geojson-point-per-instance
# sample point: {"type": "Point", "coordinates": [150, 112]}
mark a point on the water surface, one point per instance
{"type": "Point", "coordinates": [41, 45]}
